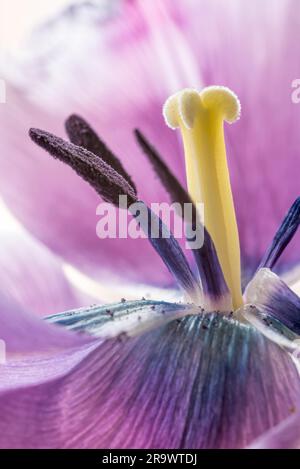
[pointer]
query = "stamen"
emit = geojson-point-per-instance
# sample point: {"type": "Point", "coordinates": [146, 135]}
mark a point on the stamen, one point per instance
{"type": "Point", "coordinates": [171, 253]}
{"type": "Point", "coordinates": [167, 178]}
{"type": "Point", "coordinates": [211, 275]}
{"type": "Point", "coordinates": [81, 133]}
{"type": "Point", "coordinates": [102, 177]}
{"type": "Point", "coordinates": [110, 185]}
{"type": "Point", "coordinates": [200, 118]}
{"type": "Point", "coordinates": [284, 235]}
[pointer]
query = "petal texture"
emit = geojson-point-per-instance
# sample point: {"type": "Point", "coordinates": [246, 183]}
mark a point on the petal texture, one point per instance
{"type": "Point", "coordinates": [25, 335]}
{"type": "Point", "coordinates": [286, 435]}
{"type": "Point", "coordinates": [129, 318]}
{"type": "Point", "coordinates": [198, 382]}
{"type": "Point", "coordinates": [276, 299]}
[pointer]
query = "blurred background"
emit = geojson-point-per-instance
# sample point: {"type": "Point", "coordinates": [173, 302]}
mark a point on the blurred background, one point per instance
{"type": "Point", "coordinates": [18, 20]}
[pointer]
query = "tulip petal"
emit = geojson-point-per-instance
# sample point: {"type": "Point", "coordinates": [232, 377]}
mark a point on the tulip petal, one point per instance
{"type": "Point", "coordinates": [286, 435]}
{"type": "Point", "coordinates": [112, 290]}
{"type": "Point", "coordinates": [31, 275]}
{"type": "Point", "coordinates": [198, 382]}
{"type": "Point", "coordinates": [278, 301]}
{"type": "Point", "coordinates": [25, 335]}
{"type": "Point", "coordinates": [128, 317]}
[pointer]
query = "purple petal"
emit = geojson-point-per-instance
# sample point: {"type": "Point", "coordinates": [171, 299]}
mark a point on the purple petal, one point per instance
{"type": "Point", "coordinates": [26, 335]}
{"type": "Point", "coordinates": [200, 382]}
{"type": "Point", "coordinates": [130, 318]}
{"type": "Point", "coordinates": [267, 291]}
{"type": "Point", "coordinates": [286, 435]}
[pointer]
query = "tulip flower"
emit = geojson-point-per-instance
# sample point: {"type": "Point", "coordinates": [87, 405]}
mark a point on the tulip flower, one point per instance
{"type": "Point", "coordinates": [215, 364]}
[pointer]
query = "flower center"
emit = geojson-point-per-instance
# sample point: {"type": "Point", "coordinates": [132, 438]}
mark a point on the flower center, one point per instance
{"type": "Point", "coordinates": [200, 118]}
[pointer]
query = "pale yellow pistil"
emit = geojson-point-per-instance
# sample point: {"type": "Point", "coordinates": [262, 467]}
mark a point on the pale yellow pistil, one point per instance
{"type": "Point", "coordinates": [200, 116]}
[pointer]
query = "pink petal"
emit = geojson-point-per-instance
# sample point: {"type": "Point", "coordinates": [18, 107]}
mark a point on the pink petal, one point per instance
{"type": "Point", "coordinates": [286, 435]}
{"type": "Point", "coordinates": [31, 276]}
{"type": "Point", "coordinates": [25, 335]}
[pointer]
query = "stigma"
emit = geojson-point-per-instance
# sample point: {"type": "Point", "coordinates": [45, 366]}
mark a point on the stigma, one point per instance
{"type": "Point", "coordinates": [200, 117]}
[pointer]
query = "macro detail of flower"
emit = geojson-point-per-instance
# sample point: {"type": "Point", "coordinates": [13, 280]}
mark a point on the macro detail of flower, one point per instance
{"type": "Point", "coordinates": [149, 346]}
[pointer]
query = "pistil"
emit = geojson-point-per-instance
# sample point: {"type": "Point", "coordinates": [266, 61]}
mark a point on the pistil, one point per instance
{"type": "Point", "coordinates": [200, 117]}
